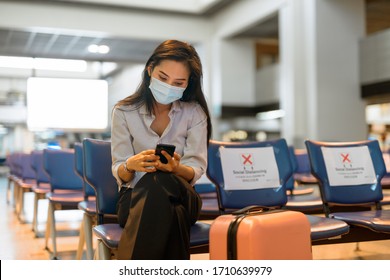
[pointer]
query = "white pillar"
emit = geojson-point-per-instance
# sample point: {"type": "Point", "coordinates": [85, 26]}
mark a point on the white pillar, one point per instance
{"type": "Point", "coordinates": [319, 77]}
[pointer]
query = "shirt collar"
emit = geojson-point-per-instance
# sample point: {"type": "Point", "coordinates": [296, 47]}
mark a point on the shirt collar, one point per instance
{"type": "Point", "coordinates": [176, 106]}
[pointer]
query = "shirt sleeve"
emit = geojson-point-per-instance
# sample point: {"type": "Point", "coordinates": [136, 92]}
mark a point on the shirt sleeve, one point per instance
{"type": "Point", "coordinates": [121, 147]}
{"type": "Point", "coordinates": [195, 150]}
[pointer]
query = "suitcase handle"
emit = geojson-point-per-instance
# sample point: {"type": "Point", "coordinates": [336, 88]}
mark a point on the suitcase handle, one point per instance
{"type": "Point", "coordinates": [253, 209]}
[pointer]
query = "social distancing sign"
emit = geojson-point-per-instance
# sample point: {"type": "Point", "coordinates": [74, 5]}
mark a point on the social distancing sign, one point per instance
{"type": "Point", "coordinates": [348, 166]}
{"type": "Point", "coordinates": [249, 168]}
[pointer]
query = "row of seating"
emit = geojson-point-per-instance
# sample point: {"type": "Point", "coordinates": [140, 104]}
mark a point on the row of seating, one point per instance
{"type": "Point", "coordinates": [81, 179]}
{"type": "Point", "coordinates": [94, 191]}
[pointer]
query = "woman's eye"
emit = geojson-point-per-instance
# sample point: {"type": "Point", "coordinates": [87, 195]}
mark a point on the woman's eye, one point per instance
{"type": "Point", "coordinates": [162, 78]}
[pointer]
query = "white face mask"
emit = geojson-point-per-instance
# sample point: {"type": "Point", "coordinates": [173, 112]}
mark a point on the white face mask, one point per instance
{"type": "Point", "coordinates": [165, 93]}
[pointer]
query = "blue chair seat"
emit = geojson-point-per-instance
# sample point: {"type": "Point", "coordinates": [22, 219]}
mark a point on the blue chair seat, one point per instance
{"type": "Point", "coordinates": [324, 228]}
{"type": "Point", "coordinates": [41, 189]}
{"type": "Point", "coordinates": [110, 235]}
{"type": "Point", "coordinates": [310, 203]}
{"type": "Point", "coordinates": [68, 199]}
{"type": "Point", "coordinates": [301, 190]}
{"type": "Point", "coordinates": [88, 206]}
{"type": "Point", "coordinates": [199, 235]}
{"type": "Point", "coordinates": [378, 220]}
{"type": "Point", "coordinates": [305, 178]}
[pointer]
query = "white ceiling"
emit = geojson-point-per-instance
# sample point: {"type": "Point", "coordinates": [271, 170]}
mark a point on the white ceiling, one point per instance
{"type": "Point", "coordinates": [182, 6]}
{"type": "Point", "coordinates": [52, 43]}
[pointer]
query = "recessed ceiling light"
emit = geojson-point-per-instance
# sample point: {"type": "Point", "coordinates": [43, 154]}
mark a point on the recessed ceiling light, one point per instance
{"type": "Point", "coordinates": [102, 49]}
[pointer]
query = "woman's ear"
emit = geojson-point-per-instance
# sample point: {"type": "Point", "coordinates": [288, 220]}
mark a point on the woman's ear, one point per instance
{"type": "Point", "coordinates": [149, 70]}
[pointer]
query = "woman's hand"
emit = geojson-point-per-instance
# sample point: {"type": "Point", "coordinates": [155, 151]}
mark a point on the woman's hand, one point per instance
{"type": "Point", "coordinates": [146, 161]}
{"type": "Point", "coordinates": [172, 164]}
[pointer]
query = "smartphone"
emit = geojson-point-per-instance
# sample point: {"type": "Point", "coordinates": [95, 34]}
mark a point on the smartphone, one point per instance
{"type": "Point", "coordinates": [170, 149]}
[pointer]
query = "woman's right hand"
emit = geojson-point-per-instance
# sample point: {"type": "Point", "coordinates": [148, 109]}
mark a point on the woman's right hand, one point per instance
{"type": "Point", "coordinates": [145, 161]}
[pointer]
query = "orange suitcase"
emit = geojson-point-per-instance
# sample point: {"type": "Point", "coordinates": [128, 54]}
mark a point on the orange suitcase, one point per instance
{"type": "Point", "coordinates": [258, 234]}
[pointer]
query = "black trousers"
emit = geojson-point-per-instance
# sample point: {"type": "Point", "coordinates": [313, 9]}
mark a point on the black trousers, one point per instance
{"type": "Point", "coordinates": [162, 208]}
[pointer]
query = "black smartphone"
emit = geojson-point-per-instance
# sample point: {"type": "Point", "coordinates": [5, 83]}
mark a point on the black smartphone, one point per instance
{"type": "Point", "coordinates": [170, 149]}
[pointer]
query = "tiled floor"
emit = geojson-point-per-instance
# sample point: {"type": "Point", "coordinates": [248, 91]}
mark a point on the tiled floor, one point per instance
{"type": "Point", "coordinates": [18, 241]}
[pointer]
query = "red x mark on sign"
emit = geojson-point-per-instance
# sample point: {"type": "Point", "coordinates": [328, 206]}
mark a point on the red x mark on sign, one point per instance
{"type": "Point", "coordinates": [345, 158]}
{"type": "Point", "coordinates": [247, 159]}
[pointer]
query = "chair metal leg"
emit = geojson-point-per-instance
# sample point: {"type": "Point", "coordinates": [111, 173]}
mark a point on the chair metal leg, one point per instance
{"type": "Point", "coordinates": [9, 186]}
{"type": "Point", "coordinates": [102, 252]}
{"type": "Point", "coordinates": [53, 230]}
{"type": "Point", "coordinates": [357, 247]}
{"type": "Point", "coordinates": [85, 237]}
{"type": "Point", "coordinates": [18, 196]}
{"type": "Point", "coordinates": [35, 215]}
{"type": "Point", "coordinates": [37, 197]}
{"type": "Point", "coordinates": [15, 196]}
{"type": "Point", "coordinates": [80, 248]}
{"type": "Point", "coordinates": [88, 236]}
{"type": "Point", "coordinates": [48, 226]}
{"type": "Point", "coordinates": [20, 212]}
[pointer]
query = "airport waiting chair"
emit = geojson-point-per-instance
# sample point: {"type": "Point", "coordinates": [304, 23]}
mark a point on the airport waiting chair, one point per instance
{"type": "Point", "coordinates": [208, 194]}
{"type": "Point", "coordinates": [293, 187]}
{"type": "Point", "coordinates": [97, 172]}
{"type": "Point", "coordinates": [231, 195]}
{"type": "Point", "coordinates": [25, 184]}
{"type": "Point", "coordinates": [349, 175]}
{"type": "Point", "coordinates": [302, 197]}
{"type": "Point", "coordinates": [42, 186]}
{"type": "Point", "coordinates": [88, 206]}
{"type": "Point", "coordinates": [385, 182]}
{"type": "Point", "coordinates": [303, 173]}
{"type": "Point", "coordinates": [13, 176]}
{"type": "Point", "coordinates": [66, 189]}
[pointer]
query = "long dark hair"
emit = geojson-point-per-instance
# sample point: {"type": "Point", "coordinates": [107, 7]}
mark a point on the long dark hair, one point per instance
{"type": "Point", "coordinates": [181, 52]}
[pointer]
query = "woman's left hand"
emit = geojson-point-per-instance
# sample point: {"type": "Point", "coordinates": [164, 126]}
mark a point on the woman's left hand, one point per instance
{"type": "Point", "coordinates": [172, 164]}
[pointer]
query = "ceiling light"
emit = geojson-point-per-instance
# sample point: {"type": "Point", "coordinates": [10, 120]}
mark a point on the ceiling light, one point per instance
{"type": "Point", "coordinates": [60, 64]}
{"type": "Point", "coordinates": [270, 115]}
{"type": "Point", "coordinates": [102, 49]}
{"type": "Point", "coordinates": [43, 63]}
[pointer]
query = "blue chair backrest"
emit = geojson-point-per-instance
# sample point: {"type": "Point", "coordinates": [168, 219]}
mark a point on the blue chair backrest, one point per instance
{"type": "Point", "coordinates": [97, 172]}
{"type": "Point", "coordinates": [59, 165]}
{"type": "Point", "coordinates": [79, 166]}
{"type": "Point", "coordinates": [37, 165]}
{"type": "Point", "coordinates": [28, 173]}
{"type": "Point", "coordinates": [303, 163]}
{"type": "Point", "coordinates": [11, 163]}
{"type": "Point", "coordinates": [351, 194]}
{"type": "Point", "coordinates": [236, 199]}
{"type": "Point", "coordinates": [17, 163]}
{"type": "Point", "coordinates": [294, 165]}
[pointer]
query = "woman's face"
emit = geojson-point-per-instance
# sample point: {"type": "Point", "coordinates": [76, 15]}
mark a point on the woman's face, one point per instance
{"type": "Point", "coordinates": [171, 72]}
